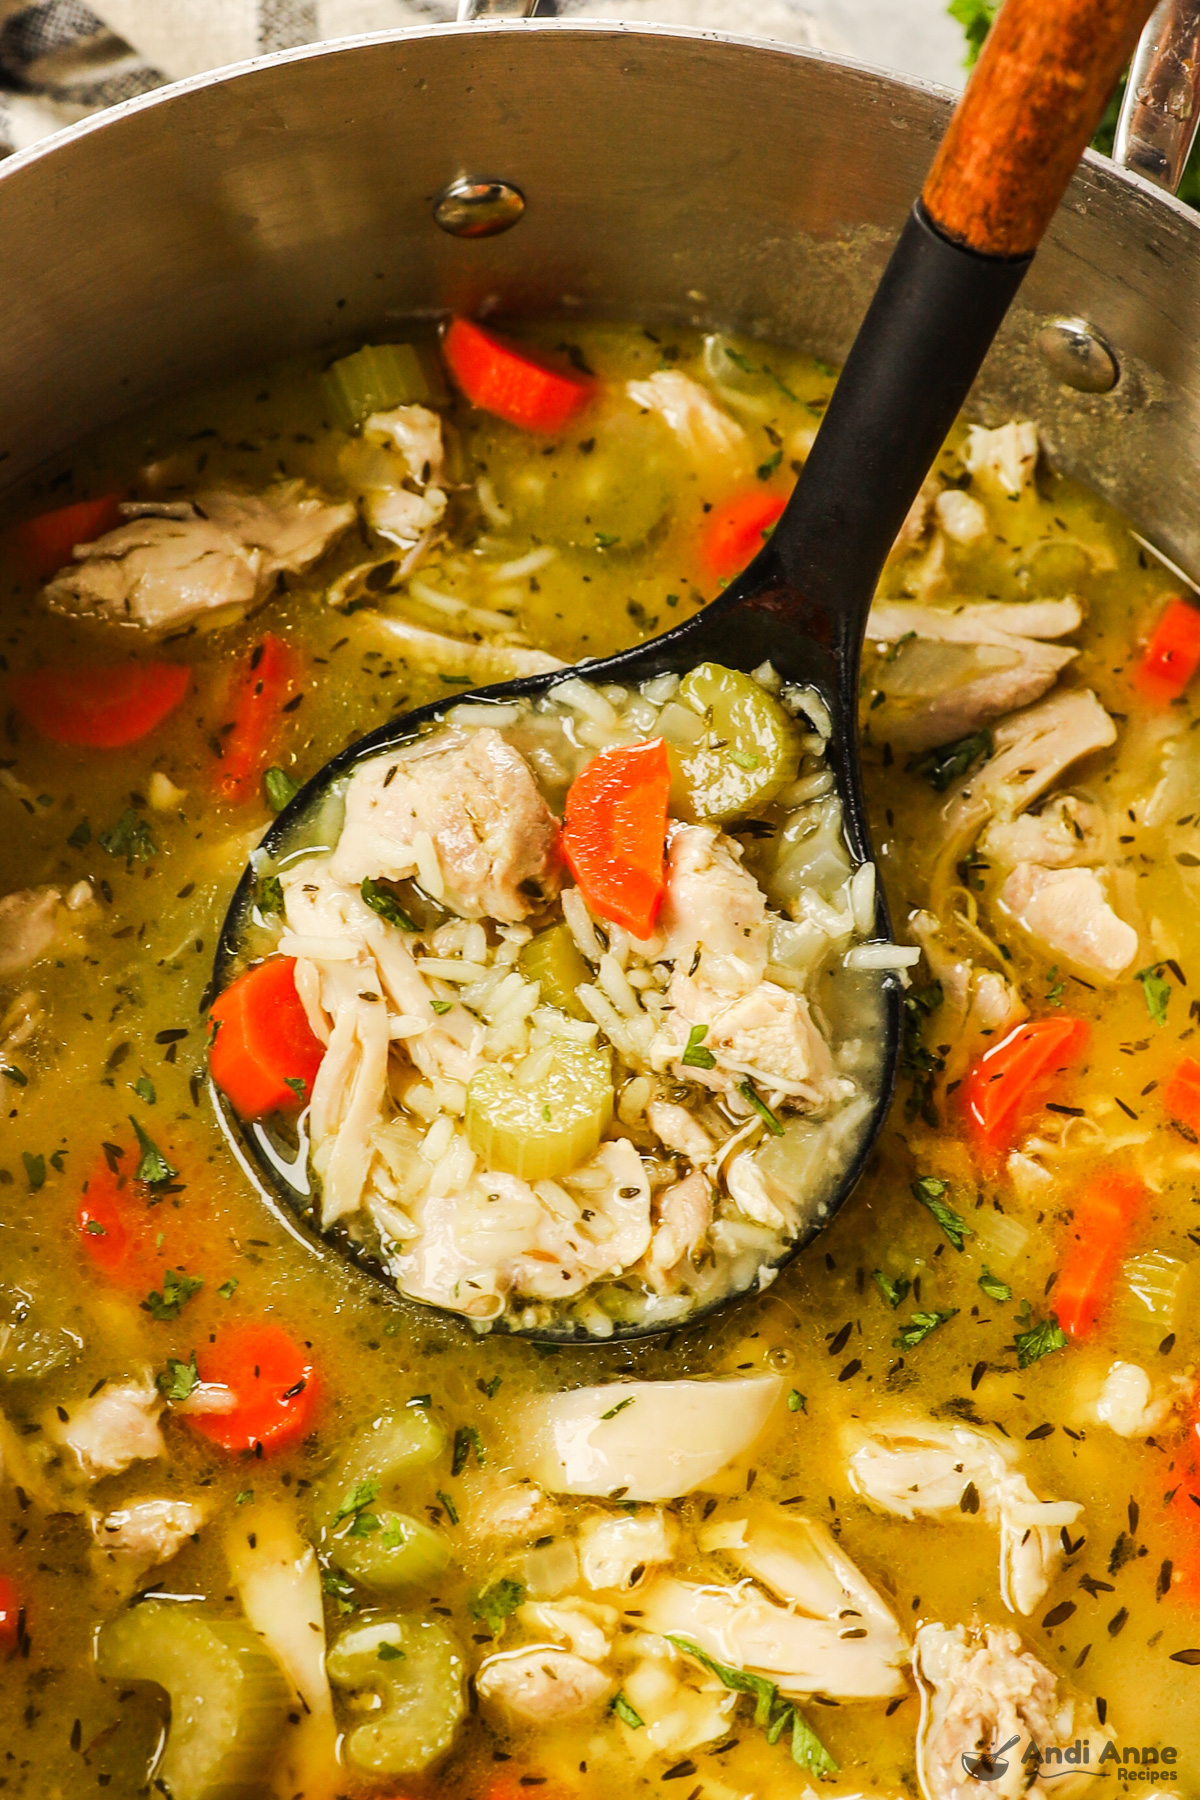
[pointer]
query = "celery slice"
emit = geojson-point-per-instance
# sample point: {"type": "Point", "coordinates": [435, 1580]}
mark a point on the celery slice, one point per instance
{"type": "Point", "coordinates": [541, 1131]}
{"type": "Point", "coordinates": [366, 1537]}
{"type": "Point", "coordinates": [553, 960]}
{"type": "Point", "coordinates": [229, 1698]}
{"type": "Point", "coordinates": [376, 378]}
{"type": "Point", "coordinates": [750, 750]}
{"type": "Point", "coordinates": [414, 1668]}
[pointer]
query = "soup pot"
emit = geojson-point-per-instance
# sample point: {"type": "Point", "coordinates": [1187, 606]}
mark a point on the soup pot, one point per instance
{"type": "Point", "coordinates": [516, 165]}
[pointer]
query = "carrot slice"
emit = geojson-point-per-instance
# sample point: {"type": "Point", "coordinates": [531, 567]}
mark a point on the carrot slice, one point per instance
{"type": "Point", "coordinates": [1005, 1082]}
{"type": "Point", "coordinates": [274, 1383]}
{"type": "Point", "coordinates": [45, 543]}
{"type": "Point", "coordinates": [498, 378]}
{"type": "Point", "coordinates": [101, 708]}
{"type": "Point", "coordinates": [736, 530]}
{"type": "Point", "coordinates": [1181, 1096]}
{"type": "Point", "coordinates": [614, 830]}
{"type": "Point", "coordinates": [11, 1608]}
{"type": "Point", "coordinates": [126, 1232]}
{"type": "Point", "coordinates": [264, 1054]}
{"type": "Point", "coordinates": [1098, 1235]}
{"type": "Point", "coordinates": [1172, 656]}
{"type": "Point", "coordinates": [270, 680]}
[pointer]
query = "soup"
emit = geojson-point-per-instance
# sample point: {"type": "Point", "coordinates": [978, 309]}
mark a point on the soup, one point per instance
{"type": "Point", "coordinates": [270, 1529]}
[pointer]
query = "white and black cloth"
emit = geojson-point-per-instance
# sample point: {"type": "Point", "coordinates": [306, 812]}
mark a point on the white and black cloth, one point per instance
{"type": "Point", "coordinates": [63, 59]}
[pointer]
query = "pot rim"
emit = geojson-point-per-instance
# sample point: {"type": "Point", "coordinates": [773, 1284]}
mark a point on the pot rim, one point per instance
{"type": "Point", "coordinates": [227, 74]}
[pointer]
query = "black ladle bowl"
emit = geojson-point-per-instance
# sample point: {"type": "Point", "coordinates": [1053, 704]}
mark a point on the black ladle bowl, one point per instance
{"type": "Point", "coordinates": [804, 601]}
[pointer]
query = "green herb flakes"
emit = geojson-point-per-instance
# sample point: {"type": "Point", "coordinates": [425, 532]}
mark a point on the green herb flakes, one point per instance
{"type": "Point", "coordinates": [1157, 990]}
{"type": "Point", "coordinates": [177, 1290]}
{"type": "Point", "coordinates": [279, 788]}
{"type": "Point", "coordinates": [766, 469]}
{"type": "Point", "coordinates": [494, 1603]}
{"type": "Point", "coordinates": [746, 1090]}
{"type": "Point", "coordinates": [893, 1288]}
{"type": "Point", "coordinates": [130, 837]}
{"type": "Point", "coordinates": [772, 1712]}
{"type": "Point", "coordinates": [919, 1328]}
{"type": "Point", "coordinates": [618, 1408]}
{"type": "Point", "coordinates": [358, 1497]}
{"type": "Point", "coordinates": [81, 837]}
{"type": "Point", "coordinates": [796, 1401]}
{"type": "Point", "coordinates": [929, 1189]}
{"type": "Point", "coordinates": [270, 895]}
{"type": "Point", "coordinates": [382, 901]}
{"type": "Point", "coordinates": [466, 1440]}
{"type": "Point", "coordinates": [177, 1380]}
{"type": "Point", "coordinates": [949, 762]}
{"type": "Point", "coordinates": [993, 1287]}
{"type": "Point", "coordinates": [228, 1288]}
{"type": "Point", "coordinates": [153, 1166]}
{"type": "Point", "coordinates": [387, 1652]}
{"type": "Point", "coordinates": [448, 1507]}
{"type": "Point", "coordinates": [144, 1088]}
{"type": "Point", "coordinates": [1041, 1339]}
{"type": "Point", "coordinates": [35, 1170]}
{"type": "Point", "coordinates": [695, 1056]}
{"type": "Point", "coordinates": [625, 1712]}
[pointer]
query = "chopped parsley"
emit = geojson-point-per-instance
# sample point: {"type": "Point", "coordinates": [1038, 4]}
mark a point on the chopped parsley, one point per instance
{"type": "Point", "coordinates": [767, 469]}
{"type": "Point", "coordinates": [386, 905]}
{"type": "Point", "coordinates": [1157, 990]}
{"type": "Point", "coordinates": [893, 1288]}
{"type": "Point", "coordinates": [177, 1289]}
{"type": "Point", "coordinates": [1055, 989]}
{"type": "Point", "coordinates": [929, 1189]}
{"type": "Point", "coordinates": [625, 1712]}
{"type": "Point", "coordinates": [493, 1604]}
{"type": "Point", "coordinates": [297, 1084]}
{"type": "Point", "coordinates": [920, 1326]}
{"type": "Point", "coordinates": [490, 1386]}
{"type": "Point", "coordinates": [796, 1401]}
{"type": "Point", "coordinates": [448, 1507]}
{"type": "Point", "coordinates": [441, 1006]}
{"type": "Point", "coordinates": [948, 762]}
{"type": "Point", "coordinates": [1042, 1339]}
{"type": "Point", "coordinates": [177, 1380]}
{"type": "Point", "coordinates": [771, 1711]}
{"type": "Point", "coordinates": [695, 1056]}
{"type": "Point", "coordinates": [130, 837]}
{"type": "Point", "coordinates": [917, 1061]}
{"type": "Point", "coordinates": [35, 1170]}
{"type": "Point", "coordinates": [228, 1288]}
{"type": "Point", "coordinates": [745, 759]}
{"type": "Point", "coordinates": [359, 1497]}
{"type": "Point", "coordinates": [153, 1166]}
{"type": "Point", "coordinates": [605, 540]}
{"type": "Point", "coordinates": [341, 1592]}
{"type": "Point", "coordinates": [466, 1439]}
{"type": "Point", "coordinates": [81, 837]}
{"type": "Point", "coordinates": [279, 788]}
{"type": "Point", "coordinates": [270, 894]}
{"type": "Point", "coordinates": [746, 1090]}
{"type": "Point", "coordinates": [244, 1498]}
{"type": "Point", "coordinates": [144, 1088]}
{"type": "Point", "coordinates": [618, 1408]}
{"type": "Point", "coordinates": [993, 1287]}
{"type": "Point", "coordinates": [387, 1652]}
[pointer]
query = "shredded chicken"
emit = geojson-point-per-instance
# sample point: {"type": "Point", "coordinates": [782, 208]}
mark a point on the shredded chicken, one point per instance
{"type": "Point", "coordinates": [1065, 833]}
{"type": "Point", "coordinates": [147, 1534]}
{"type": "Point", "coordinates": [1005, 457]}
{"type": "Point", "coordinates": [616, 1550]}
{"type": "Point", "coordinates": [1130, 1405]}
{"type": "Point", "coordinates": [543, 1685]}
{"type": "Point", "coordinates": [916, 1468]}
{"type": "Point", "coordinates": [33, 921]}
{"type": "Point", "coordinates": [480, 663]}
{"type": "Point", "coordinates": [833, 1634]}
{"type": "Point", "coordinates": [1069, 917]}
{"type": "Point", "coordinates": [395, 466]}
{"type": "Point", "coordinates": [984, 1699]}
{"type": "Point", "coordinates": [693, 415]}
{"type": "Point", "coordinates": [945, 672]}
{"type": "Point", "coordinates": [114, 1428]}
{"type": "Point", "coordinates": [221, 553]}
{"type": "Point", "coordinates": [582, 1626]}
{"type": "Point", "coordinates": [474, 799]}
{"type": "Point", "coordinates": [977, 1003]}
{"type": "Point", "coordinates": [683, 1214]}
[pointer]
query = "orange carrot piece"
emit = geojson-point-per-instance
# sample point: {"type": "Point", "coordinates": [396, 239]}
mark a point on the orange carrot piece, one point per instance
{"type": "Point", "coordinates": [1006, 1080]}
{"type": "Point", "coordinates": [264, 1054]}
{"type": "Point", "coordinates": [275, 1384]}
{"type": "Point", "coordinates": [45, 543]}
{"type": "Point", "coordinates": [500, 379]}
{"type": "Point", "coordinates": [270, 681]}
{"type": "Point", "coordinates": [614, 831]}
{"type": "Point", "coordinates": [736, 530]}
{"type": "Point", "coordinates": [11, 1608]}
{"type": "Point", "coordinates": [1172, 656]}
{"type": "Point", "coordinates": [101, 708]}
{"type": "Point", "coordinates": [1092, 1254]}
{"type": "Point", "coordinates": [1181, 1096]}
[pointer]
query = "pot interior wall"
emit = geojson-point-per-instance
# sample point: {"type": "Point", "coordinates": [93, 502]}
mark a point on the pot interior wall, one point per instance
{"type": "Point", "coordinates": [668, 176]}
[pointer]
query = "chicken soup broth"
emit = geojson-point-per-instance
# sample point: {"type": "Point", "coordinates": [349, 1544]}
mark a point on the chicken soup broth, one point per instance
{"type": "Point", "coordinates": [268, 1529]}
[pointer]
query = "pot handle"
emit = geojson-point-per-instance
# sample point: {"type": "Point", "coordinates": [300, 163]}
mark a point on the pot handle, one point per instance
{"type": "Point", "coordinates": [1160, 113]}
{"type": "Point", "coordinates": [1035, 98]}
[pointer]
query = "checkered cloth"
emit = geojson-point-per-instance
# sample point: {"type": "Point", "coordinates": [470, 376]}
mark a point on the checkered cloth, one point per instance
{"type": "Point", "coordinates": [62, 59]}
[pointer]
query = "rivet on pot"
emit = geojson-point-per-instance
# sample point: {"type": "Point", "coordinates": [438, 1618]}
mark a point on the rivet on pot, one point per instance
{"type": "Point", "coordinates": [1077, 355]}
{"type": "Point", "coordinates": [469, 208]}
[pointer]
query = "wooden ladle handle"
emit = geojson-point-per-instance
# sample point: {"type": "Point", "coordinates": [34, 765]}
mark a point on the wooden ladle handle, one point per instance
{"type": "Point", "coordinates": [1032, 104]}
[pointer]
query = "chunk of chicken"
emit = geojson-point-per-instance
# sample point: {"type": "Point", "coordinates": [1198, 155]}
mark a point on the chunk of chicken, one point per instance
{"type": "Point", "coordinates": [834, 1635]}
{"type": "Point", "coordinates": [683, 1215]}
{"type": "Point", "coordinates": [945, 672]}
{"type": "Point", "coordinates": [1067, 914]}
{"type": "Point", "coordinates": [1066, 833]}
{"type": "Point", "coordinates": [1005, 458]}
{"type": "Point", "coordinates": [28, 924]}
{"type": "Point", "coordinates": [615, 1550]}
{"type": "Point", "coordinates": [984, 1698]}
{"type": "Point", "coordinates": [920, 1469]}
{"type": "Point", "coordinates": [517, 1509]}
{"type": "Point", "coordinates": [585, 1628]}
{"type": "Point", "coordinates": [396, 468]}
{"type": "Point", "coordinates": [111, 1430]}
{"type": "Point", "coordinates": [680, 1130]}
{"type": "Point", "coordinates": [1031, 749]}
{"type": "Point", "coordinates": [19, 1025]}
{"type": "Point", "coordinates": [977, 1003]}
{"type": "Point", "coordinates": [146, 1535]}
{"type": "Point", "coordinates": [960, 516]}
{"type": "Point", "coordinates": [1129, 1404]}
{"type": "Point", "coordinates": [681, 1706]}
{"type": "Point", "coordinates": [712, 904]}
{"type": "Point", "coordinates": [649, 1440]}
{"type": "Point", "coordinates": [221, 553]}
{"type": "Point", "coordinates": [542, 1686]}
{"type": "Point", "coordinates": [693, 415]}
{"type": "Point", "coordinates": [473, 799]}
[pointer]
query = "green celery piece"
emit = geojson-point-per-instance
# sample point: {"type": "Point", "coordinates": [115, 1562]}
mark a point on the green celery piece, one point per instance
{"type": "Point", "coordinates": [377, 378]}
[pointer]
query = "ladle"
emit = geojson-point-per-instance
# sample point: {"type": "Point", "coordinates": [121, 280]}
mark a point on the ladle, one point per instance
{"type": "Point", "coordinates": [1036, 96]}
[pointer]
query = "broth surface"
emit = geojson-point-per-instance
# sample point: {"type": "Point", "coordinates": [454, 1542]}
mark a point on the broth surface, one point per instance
{"type": "Point", "coordinates": [116, 1059]}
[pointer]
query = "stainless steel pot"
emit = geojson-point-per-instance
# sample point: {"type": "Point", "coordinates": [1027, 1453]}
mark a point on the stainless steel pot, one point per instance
{"type": "Point", "coordinates": [667, 176]}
